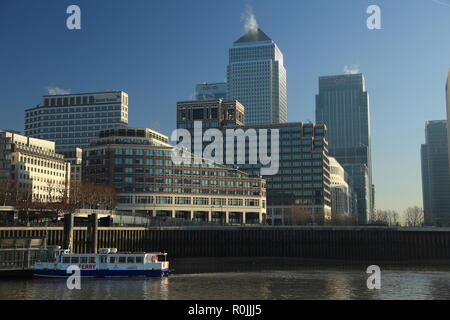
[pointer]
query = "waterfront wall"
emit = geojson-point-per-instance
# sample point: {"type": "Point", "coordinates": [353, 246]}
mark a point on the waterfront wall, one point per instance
{"type": "Point", "coordinates": [339, 243]}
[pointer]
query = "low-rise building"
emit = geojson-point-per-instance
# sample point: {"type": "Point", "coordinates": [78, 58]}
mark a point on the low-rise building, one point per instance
{"type": "Point", "coordinates": [138, 163]}
{"type": "Point", "coordinates": [38, 173]}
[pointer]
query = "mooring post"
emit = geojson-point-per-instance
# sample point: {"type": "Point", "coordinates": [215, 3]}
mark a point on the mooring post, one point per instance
{"type": "Point", "coordinates": [92, 232]}
{"type": "Point", "coordinates": [68, 231]}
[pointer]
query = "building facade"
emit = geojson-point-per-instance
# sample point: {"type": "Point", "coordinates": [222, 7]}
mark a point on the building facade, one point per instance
{"type": "Point", "coordinates": [75, 158]}
{"type": "Point", "coordinates": [215, 113]}
{"type": "Point", "coordinates": [138, 163]}
{"type": "Point", "coordinates": [211, 91]}
{"type": "Point", "coordinates": [435, 174]}
{"type": "Point", "coordinates": [447, 91]}
{"type": "Point", "coordinates": [38, 173]}
{"type": "Point", "coordinates": [256, 77]}
{"type": "Point", "coordinates": [341, 193]}
{"type": "Point", "coordinates": [343, 106]}
{"type": "Point", "coordinates": [301, 185]}
{"type": "Point", "coordinates": [71, 120]}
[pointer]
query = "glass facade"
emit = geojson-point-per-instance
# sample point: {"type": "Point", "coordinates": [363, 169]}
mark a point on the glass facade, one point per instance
{"type": "Point", "coordinates": [303, 165]}
{"type": "Point", "coordinates": [447, 93]}
{"type": "Point", "coordinates": [435, 174]}
{"type": "Point", "coordinates": [72, 120]}
{"type": "Point", "coordinates": [142, 172]}
{"type": "Point", "coordinates": [343, 106]}
{"type": "Point", "coordinates": [256, 77]}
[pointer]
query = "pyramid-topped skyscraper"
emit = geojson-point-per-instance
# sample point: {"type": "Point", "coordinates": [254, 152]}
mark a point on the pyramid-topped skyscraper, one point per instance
{"type": "Point", "coordinates": [257, 78]}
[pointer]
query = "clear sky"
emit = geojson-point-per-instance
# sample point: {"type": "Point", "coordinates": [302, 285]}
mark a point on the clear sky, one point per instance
{"type": "Point", "coordinates": [157, 51]}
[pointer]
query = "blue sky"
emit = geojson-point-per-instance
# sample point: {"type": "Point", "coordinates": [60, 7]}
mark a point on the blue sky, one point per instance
{"type": "Point", "coordinates": [157, 51]}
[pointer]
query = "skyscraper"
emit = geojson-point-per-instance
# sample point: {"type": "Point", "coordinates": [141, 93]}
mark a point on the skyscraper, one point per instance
{"type": "Point", "coordinates": [343, 106]}
{"type": "Point", "coordinates": [257, 78]}
{"type": "Point", "coordinates": [447, 89]}
{"type": "Point", "coordinates": [71, 120]}
{"type": "Point", "coordinates": [435, 174]}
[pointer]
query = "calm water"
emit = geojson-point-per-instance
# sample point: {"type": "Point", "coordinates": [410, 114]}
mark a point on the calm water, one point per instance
{"type": "Point", "coordinates": [271, 282]}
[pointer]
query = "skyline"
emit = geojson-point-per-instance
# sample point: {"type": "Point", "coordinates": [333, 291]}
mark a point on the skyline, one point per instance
{"type": "Point", "coordinates": [396, 83]}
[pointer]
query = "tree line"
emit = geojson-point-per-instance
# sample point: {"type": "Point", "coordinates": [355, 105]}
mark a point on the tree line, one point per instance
{"type": "Point", "coordinates": [59, 200]}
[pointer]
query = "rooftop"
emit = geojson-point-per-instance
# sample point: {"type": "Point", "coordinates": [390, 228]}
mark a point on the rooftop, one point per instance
{"type": "Point", "coordinates": [253, 36]}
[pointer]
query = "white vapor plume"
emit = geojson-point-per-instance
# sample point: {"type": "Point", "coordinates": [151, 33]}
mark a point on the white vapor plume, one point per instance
{"type": "Point", "coordinates": [250, 20]}
{"type": "Point", "coordinates": [56, 90]}
{"type": "Point", "coordinates": [442, 2]}
{"type": "Point", "coordinates": [352, 69]}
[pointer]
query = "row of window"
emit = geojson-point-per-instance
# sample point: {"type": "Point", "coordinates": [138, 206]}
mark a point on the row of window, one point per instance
{"type": "Point", "coordinates": [73, 122]}
{"type": "Point", "coordinates": [139, 189]}
{"type": "Point", "coordinates": [235, 202]}
{"type": "Point", "coordinates": [42, 163]}
{"type": "Point", "coordinates": [160, 180]}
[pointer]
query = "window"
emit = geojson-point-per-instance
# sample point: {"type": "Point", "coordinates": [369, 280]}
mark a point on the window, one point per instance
{"type": "Point", "coordinates": [131, 260]}
{"type": "Point", "coordinates": [74, 260]}
{"type": "Point", "coordinates": [139, 260]}
{"type": "Point", "coordinates": [66, 260]}
{"type": "Point", "coordinates": [112, 259]}
{"type": "Point", "coordinates": [122, 259]}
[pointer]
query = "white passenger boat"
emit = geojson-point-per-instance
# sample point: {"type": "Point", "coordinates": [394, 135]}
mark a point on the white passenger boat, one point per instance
{"type": "Point", "coordinates": [107, 263]}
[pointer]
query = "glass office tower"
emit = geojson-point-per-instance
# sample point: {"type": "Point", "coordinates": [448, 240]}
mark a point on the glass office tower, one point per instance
{"type": "Point", "coordinates": [435, 174]}
{"type": "Point", "coordinates": [343, 106]}
{"type": "Point", "coordinates": [71, 120]}
{"type": "Point", "coordinates": [447, 93]}
{"type": "Point", "coordinates": [257, 78]}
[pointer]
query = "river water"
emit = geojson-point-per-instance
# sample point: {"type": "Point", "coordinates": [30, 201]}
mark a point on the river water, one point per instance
{"type": "Point", "coordinates": [237, 279]}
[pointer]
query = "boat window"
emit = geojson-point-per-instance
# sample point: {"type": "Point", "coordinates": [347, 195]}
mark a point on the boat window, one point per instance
{"type": "Point", "coordinates": [74, 260]}
{"type": "Point", "coordinates": [139, 259]}
{"type": "Point", "coordinates": [66, 259]}
{"type": "Point", "coordinates": [122, 259]}
{"type": "Point", "coordinates": [102, 259]}
{"type": "Point", "coordinates": [83, 259]}
{"type": "Point", "coordinates": [91, 259]}
{"type": "Point", "coordinates": [112, 259]}
{"type": "Point", "coordinates": [148, 258]}
{"type": "Point", "coordinates": [131, 260]}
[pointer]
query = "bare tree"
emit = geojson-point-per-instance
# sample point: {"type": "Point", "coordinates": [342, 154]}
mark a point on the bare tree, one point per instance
{"type": "Point", "coordinates": [9, 191]}
{"type": "Point", "coordinates": [297, 216]}
{"type": "Point", "coordinates": [339, 219]}
{"type": "Point", "coordinates": [385, 217]}
{"type": "Point", "coordinates": [414, 217]}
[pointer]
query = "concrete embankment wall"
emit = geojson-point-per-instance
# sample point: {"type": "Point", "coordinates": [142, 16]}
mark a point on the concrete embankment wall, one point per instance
{"type": "Point", "coordinates": [339, 243]}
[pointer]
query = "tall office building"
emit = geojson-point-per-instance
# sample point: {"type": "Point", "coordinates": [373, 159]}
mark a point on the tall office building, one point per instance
{"type": "Point", "coordinates": [343, 106]}
{"type": "Point", "coordinates": [435, 174]}
{"type": "Point", "coordinates": [209, 91]}
{"type": "Point", "coordinates": [256, 77]}
{"type": "Point", "coordinates": [447, 91]}
{"type": "Point", "coordinates": [71, 120]}
{"type": "Point", "coordinates": [301, 185]}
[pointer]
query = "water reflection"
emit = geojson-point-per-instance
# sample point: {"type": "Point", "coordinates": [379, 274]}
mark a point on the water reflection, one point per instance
{"type": "Point", "coordinates": [270, 282]}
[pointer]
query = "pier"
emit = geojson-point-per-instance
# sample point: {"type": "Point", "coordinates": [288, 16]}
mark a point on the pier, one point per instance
{"type": "Point", "coordinates": [331, 243]}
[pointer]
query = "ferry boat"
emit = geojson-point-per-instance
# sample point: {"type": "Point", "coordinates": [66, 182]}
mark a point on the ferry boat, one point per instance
{"type": "Point", "coordinates": [107, 263]}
